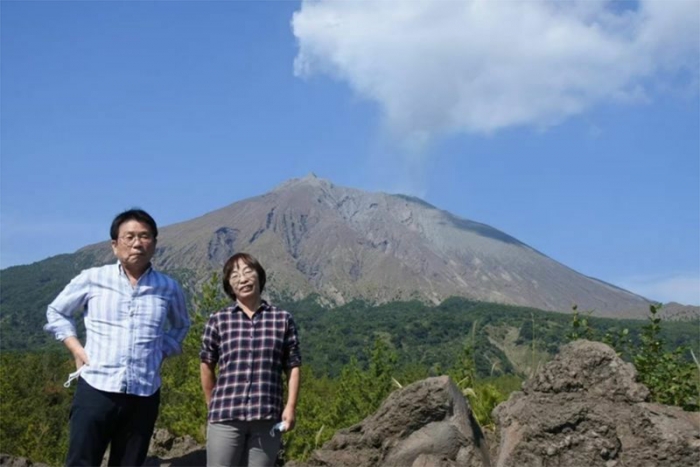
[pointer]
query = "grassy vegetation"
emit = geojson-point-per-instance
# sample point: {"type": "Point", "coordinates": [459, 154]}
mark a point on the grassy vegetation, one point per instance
{"type": "Point", "coordinates": [354, 356]}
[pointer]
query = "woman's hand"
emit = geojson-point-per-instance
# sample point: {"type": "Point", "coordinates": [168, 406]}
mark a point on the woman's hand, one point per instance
{"type": "Point", "coordinates": [289, 417]}
{"type": "Point", "coordinates": [207, 373]}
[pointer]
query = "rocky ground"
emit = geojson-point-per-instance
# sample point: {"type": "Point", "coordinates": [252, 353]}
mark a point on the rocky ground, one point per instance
{"type": "Point", "coordinates": [583, 408]}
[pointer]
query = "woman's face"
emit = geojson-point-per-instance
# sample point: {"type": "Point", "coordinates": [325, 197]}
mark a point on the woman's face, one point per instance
{"type": "Point", "coordinates": [244, 281]}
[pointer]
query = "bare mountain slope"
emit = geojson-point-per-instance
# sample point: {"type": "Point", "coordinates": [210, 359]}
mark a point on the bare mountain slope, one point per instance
{"type": "Point", "coordinates": [343, 243]}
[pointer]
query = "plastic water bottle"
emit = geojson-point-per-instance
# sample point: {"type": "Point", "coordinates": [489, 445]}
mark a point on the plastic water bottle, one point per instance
{"type": "Point", "coordinates": [281, 427]}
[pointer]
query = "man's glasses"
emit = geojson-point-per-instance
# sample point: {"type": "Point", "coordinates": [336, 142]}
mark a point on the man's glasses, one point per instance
{"type": "Point", "coordinates": [130, 239]}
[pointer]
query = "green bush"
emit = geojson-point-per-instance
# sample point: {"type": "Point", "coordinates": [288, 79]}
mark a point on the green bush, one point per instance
{"type": "Point", "coordinates": [670, 379]}
{"type": "Point", "coordinates": [670, 375]}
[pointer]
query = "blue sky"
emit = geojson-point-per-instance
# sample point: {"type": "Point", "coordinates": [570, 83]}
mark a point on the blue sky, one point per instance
{"type": "Point", "coordinates": [573, 126]}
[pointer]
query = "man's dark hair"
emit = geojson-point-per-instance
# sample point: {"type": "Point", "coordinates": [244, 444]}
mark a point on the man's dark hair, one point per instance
{"type": "Point", "coordinates": [134, 214]}
{"type": "Point", "coordinates": [250, 261]}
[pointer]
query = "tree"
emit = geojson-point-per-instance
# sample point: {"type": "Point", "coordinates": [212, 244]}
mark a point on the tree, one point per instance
{"type": "Point", "coordinates": [580, 326]}
{"type": "Point", "coordinates": [463, 372]}
{"type": "Point", "coordinates": [382, 365]}
{"type": "Point", "coordinates": [670, 379]}
{"type": "Point", "coordinates": [183, 410]}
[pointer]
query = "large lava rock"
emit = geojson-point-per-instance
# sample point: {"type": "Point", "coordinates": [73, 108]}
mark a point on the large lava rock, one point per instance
{"type": "Point", "coordinates": [585, 408]}
{"type": "Point", "coordinates": [426, 424]}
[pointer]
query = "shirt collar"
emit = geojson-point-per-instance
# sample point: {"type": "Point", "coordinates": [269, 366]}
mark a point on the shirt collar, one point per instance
{"type": "Point", "coordinates": [120, 268]}
{"type": "Point", "coordinates": [264, 306]}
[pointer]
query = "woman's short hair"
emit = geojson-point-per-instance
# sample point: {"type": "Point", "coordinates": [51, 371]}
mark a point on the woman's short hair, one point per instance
{"type": "Point", "coordinates": [248, 260]}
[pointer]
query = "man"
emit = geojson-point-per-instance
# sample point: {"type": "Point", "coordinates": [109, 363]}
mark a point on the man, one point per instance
{"type": "Point", "coordinates": [134, 318]}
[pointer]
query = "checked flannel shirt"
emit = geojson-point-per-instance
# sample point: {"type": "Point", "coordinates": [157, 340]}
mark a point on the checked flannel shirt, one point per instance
{"type": "Point", "coordinates": [252, 355]}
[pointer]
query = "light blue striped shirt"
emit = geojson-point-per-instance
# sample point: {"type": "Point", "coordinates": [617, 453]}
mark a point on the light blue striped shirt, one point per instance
{"type": "Point", "coordinates": [130, 329]}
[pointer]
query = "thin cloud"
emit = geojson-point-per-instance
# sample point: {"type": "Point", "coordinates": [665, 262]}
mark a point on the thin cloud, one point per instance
{"type": "Point", "coordinates": [477, 66]}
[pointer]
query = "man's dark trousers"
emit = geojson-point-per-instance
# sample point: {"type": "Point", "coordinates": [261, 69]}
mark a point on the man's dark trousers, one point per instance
{"type": "Point", "coordinates": [98, 418]}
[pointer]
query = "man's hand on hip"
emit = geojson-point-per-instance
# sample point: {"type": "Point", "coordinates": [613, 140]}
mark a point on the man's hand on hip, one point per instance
{"type": "Point", "coordinates": [78, 351]}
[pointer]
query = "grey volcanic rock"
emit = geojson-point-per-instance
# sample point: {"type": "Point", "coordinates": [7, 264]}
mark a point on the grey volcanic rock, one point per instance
{"type": "Point", "coordinates": [344, 244]}
{"type": "Point", "coordinates": [169, 450]}
{"type": "Point", "coordinates": [592, 368]}
{"type": "Point", "coordinates": [427, 423]}
{"type": "Point", "coordinates": [585, 408]}
{"type": "Point", "coordinates": [7, 460]}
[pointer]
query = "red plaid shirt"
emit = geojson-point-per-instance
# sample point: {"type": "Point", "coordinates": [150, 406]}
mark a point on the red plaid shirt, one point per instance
{"type": "Point", "coordinates": [251, 355]}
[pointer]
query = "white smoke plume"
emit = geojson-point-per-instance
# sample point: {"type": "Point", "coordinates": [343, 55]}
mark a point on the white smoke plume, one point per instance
{"type": "Point", "coordinates": [476, 66]}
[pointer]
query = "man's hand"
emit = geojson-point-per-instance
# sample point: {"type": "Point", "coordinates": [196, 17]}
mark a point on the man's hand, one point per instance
{"type": "Point", "coordinates": [289, 417]}
{"type": "Point", "coordinates": [81, 358]}
{"type": "Point", "coordinates": [78, 351]}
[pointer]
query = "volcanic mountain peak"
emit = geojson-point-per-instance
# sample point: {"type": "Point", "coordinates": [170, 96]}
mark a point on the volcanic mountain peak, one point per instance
{"type": "Point", "coordinates": [343, 244]}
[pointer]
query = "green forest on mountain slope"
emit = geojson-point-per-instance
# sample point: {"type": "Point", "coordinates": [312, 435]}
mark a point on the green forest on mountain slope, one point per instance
{"type": "Point", "coordinates": [354, 356]}
{"type": "Point", "coordinates": [28, 289]}
{"type": "Point", "coordinates": [421, 333]}
{"type": "Point", "coordinates": [432, 336]}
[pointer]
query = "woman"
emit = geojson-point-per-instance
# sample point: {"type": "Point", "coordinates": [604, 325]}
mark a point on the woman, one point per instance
{"type": "Point", "coordinates": [252, 343]}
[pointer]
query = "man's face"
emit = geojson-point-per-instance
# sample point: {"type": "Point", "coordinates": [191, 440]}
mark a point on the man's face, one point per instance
{"type": "Point", "coordinates": [244, 281]}
{"type": "Point", "coordinates": [135, 244]}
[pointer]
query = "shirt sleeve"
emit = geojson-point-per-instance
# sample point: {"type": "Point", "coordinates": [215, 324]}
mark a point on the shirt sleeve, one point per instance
{"type": "Point", "coordinates": [292, 354]}
{"type": "Point", "coordinates": [211, 341]}
{"type": "Point", "coordinates": [59, 314]}
{"type": "Point", "coordinates": [179, 323]}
